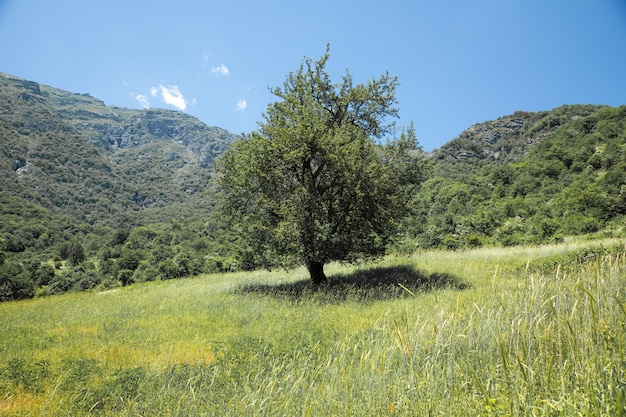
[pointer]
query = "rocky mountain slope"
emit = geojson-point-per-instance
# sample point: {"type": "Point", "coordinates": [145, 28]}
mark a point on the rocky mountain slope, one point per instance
{"type": "Point", "coordinates": [510, 137]}
{"type": "Point", "coordinates": [102, 164]}
{"type": "Point", "coordinates": [74, 155]}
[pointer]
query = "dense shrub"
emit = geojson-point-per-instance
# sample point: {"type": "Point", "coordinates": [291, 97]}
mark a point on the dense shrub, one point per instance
{"type": "Point", "coordinates": [15, 283]}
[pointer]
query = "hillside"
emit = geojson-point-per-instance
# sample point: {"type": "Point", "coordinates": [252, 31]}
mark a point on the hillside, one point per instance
{"type": "Point", "coordinates": [99, 196]}
{"type": "Point", "coordinates": [509, 138]}
{"type": "Point", "coordinates": [526, 178]}
{"type": "Point", "coordinates": [74, 155]}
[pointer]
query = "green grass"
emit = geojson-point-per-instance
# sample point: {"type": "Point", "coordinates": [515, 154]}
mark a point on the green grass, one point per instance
{"type": "Point", "coordinates": [498, 331]}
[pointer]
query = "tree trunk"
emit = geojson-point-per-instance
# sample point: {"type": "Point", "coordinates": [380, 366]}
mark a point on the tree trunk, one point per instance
{"type": "Point", "coordinates": [316, 269]}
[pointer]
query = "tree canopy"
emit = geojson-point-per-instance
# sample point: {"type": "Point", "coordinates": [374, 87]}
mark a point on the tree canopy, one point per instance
{"type": "Point", "coordinates": [315, 183]}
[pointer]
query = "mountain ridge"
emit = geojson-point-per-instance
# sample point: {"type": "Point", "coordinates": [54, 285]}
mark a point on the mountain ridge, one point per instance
{"type": "Point", "coordinates": [510, 137]}
{"type": "Point", "coordinates": [158, 158]}
{"type": "Point", "coordinates": [135, 159]}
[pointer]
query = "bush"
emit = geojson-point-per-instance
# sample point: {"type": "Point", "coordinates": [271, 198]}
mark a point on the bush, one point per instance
{"type": "Point", "coordinates": [79, 278]}
{"type": "Point", "coordinates": [42, 291]}
{"type": "Point", "coordinates": [578, 223]}
{"type": "Point", "coordinates": [473, 241]}
{"type": "Point", "coordinates": [168, 269]}
{"type": "Point", "coordinates": [450, 243]}
{"type": "Point", "coordinates": [15, 284]}
{"type": "Point", "coordinates": [73, 252]}
{"type": "Point", "coordinates": [129, 259]}
{"type": "Point", "coordinates": [44, 275]}
{"type": "Point", "coordinates": [145, 272]}
{"type": "Point", "coordinates": [125, 276]}
{"type": "Point", "coordinates": [512, 232]}
{"type": "Point", "coordinates": [213, 264]}
{"type": "Point", "coordinates": [87, 280]}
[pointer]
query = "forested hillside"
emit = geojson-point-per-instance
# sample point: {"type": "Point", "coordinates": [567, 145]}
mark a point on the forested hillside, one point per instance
{"type": "Point", "coordinates": [77, 176]}
{"type": "Point", "coordinates": [99, 164]}
{"type": "Point", "coordinates": [100, 196]}
{"type": "Point", "coordinates": [526, 178]}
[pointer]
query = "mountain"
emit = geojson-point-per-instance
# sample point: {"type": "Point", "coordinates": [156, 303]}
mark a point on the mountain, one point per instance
{"type": "Point", "coordinates": [96, 196]}
{"type": "Point", "coordinates": [510, 137]}
{"type": "Point", "coordinates": [102, 164]}
{"type": "Point", "coordinates": [527, 178]}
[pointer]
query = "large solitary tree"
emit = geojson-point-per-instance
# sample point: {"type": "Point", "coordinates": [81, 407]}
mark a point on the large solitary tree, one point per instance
{"type": "Point", "coordinates": [320, 181]}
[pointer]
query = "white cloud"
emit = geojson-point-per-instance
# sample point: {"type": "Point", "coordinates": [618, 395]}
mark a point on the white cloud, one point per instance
{"type": "Point", "coordinates": [241, 105]}
{"type": "Point", "coordinates": [221, 70]}
{"type": "Point", "coordinates": [171, 95]}
{"type": "Point", "coordinates": [143, 100]}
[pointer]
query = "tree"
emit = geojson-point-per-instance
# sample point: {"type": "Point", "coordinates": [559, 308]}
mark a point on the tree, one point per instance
{"type": "Point", "coordinates": [72, 251]}
{"type": "Point", "coordinates": [15, 283]}
{"type": "Point", "coordinates": [313, 184]}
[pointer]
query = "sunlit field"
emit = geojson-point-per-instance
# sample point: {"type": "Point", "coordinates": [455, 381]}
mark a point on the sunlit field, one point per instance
{"type": "Point", "coordinates": [494, 331]}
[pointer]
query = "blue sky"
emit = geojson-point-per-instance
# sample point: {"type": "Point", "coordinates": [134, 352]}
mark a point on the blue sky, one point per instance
{"type": "Point", "coordinates": [458, 62]}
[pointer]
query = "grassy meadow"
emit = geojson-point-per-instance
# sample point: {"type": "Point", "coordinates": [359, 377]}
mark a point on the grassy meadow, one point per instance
{"type": "Point", "coordinates": [493, 331]}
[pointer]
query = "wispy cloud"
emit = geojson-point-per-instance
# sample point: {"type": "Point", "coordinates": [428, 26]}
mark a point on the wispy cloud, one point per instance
{"type": "Point", "coordinates": [143, 100]}
{"type": "Point", "coordinates": [171, 95]}
{"type": "Point", "coordinates": [241, 105]}
{"type": "Point", "coordinates": [221, 70]}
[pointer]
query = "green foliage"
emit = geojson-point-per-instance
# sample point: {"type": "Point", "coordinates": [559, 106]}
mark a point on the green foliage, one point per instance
{"type": "Point", "coordinates": [168, 269]}
{"type": "Point", "coordinates": [312, 185]}
{"type": "Point", "coordinates": [73, 155]}
{"type": "Point", "coordinates": [72, 251]}
{"type": "Point", "coordinates": [58, 254]}
{"type": "Point", "coordinates": [145, 271]}
{"type": "Point", "coordinates": [15, 283]}
{"type": "Point", "coordinates": [571, 182]}
{"type": "Point", "coordinates": [583, 198]}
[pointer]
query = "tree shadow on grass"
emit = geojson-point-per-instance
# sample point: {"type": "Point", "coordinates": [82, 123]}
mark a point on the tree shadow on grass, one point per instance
{"type": "Point", "coordinates": [379, 283]}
